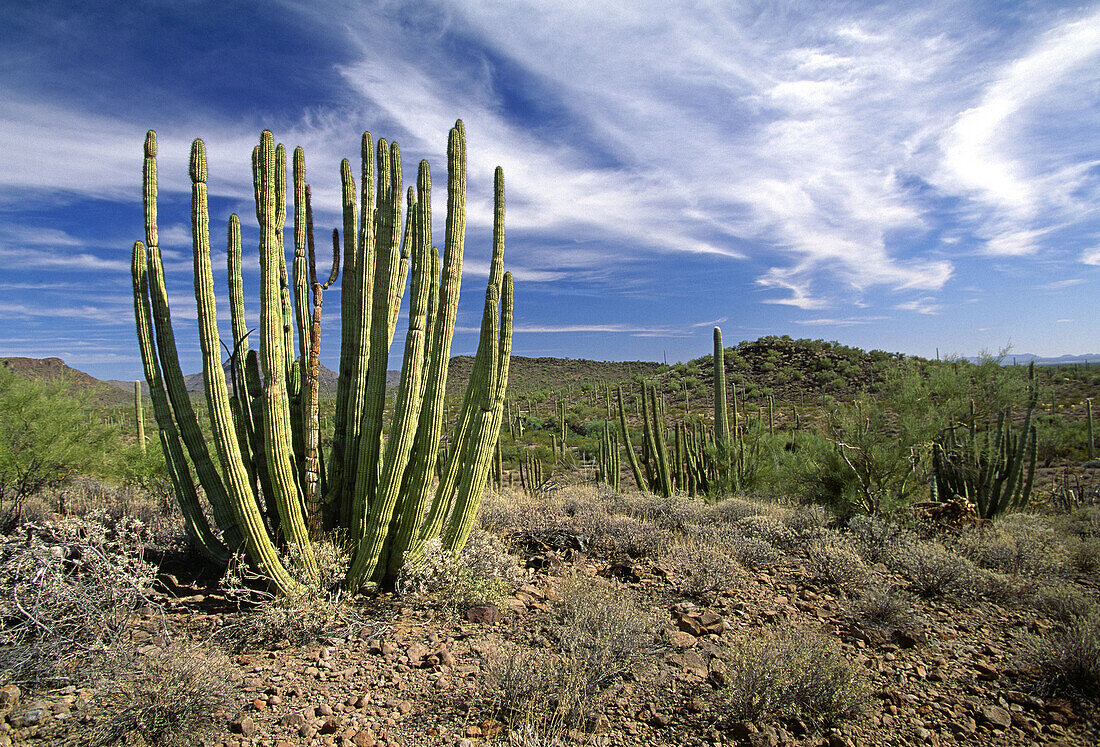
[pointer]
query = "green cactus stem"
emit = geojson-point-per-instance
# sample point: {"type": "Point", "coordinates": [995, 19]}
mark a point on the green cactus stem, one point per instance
{"type": "Point", "coordinates": [139, 416]}
{"type": "Point", "coordinates": [1088, 420]}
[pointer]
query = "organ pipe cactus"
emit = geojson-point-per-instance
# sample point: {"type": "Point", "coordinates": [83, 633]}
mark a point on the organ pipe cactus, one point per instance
{"type": "Point", "coordinates": [139, 416]}
{"type": "Point", "coordinates": [994, 470]}
{"type": "Point", "coordinates": [270, 485]}
{"type": "Point", "coordinates": [721, 423]}
{"type": "Point", "coordinates": [1091, 450]}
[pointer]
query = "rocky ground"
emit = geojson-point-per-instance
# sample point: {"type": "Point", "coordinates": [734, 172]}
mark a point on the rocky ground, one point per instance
{"type": "Point", "coordinates": [937, 649]}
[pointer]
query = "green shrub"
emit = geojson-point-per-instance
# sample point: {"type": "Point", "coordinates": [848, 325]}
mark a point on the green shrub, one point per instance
{"type": "Point", "coordinates": [47, 435]}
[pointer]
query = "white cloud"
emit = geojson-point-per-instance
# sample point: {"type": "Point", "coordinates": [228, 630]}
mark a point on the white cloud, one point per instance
{"type": "Point", "coordinates": [1007, 153]}
{"type": "Point", "coordinates": [923, 305]}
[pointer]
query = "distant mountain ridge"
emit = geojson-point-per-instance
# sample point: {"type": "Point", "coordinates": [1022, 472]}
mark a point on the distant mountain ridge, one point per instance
{"type": "Point", "coordinates": [1061, 360]}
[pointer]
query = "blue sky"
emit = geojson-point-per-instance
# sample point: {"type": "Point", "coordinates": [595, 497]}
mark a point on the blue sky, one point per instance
{"type": "Point", "coordinates": [902, 176]}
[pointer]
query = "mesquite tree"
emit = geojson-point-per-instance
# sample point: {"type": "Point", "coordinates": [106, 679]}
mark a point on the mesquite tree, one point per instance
{"type": "Point", "coordinates": [269, 488]}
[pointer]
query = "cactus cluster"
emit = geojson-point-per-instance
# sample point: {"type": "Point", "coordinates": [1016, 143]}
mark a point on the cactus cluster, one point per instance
{"type": "Point", "coordinates": [702, 460]}
{"type": "Point", "coordinates": [270, 491]}
{"type": "Point", "coordinates": [994, 469]}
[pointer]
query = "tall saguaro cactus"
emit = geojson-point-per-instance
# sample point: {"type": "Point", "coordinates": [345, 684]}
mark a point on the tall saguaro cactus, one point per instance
{"type": "Point", "coordinates": [270, 485]}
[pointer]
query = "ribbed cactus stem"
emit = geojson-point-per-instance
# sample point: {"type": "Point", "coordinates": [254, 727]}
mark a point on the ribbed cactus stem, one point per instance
{"type": "Point", "coordinates": [721, 423]}
{"type": "Point", "coordinates": [312, 438]}
{"type": "Point", "coordinates": [276, 407]}
{"type": "Point", "coordinates": [194, 520]}
{"type": "Point", "coordinates": [301, 270]}
{"type": "Point", "coordinates": [237, 481]}
{"type": "Point", "coordinates": [1088, 419]}
{"type": "Point", "coordinates": [387, 238]}
{"type": "Point", "coordinates": [139, 416]}
{"type": "Point", "coordinates": [635, 467]}
{"type": "Point", "coordinates": [180, 399]}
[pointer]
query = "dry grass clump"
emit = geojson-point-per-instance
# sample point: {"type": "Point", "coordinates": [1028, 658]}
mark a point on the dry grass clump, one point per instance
{"type": "Point", "coordinates": [834, 561]}
{"type": "Point", "coordinates": [769, 529]}
{"type": "Point", "coordinates": [68, 592]}
{"type": "Point", "coordinates": [732, 509]}
{"type": "Point", "coordinates": [702, 568]}
{"type": "Point", "coordinates": [674, 513]}
{"type": "Point", "coordinates": [628, 535]}
{"type": "Point", "coordinates": [789, 674]}
{"type": "Point", "coordinates": [510, 509]}
{"type": "Point", "coordinates": [1063, 602]}
{"type": "Point", "coordinates": [601, 635]}
{"type": "Point", "coordinates": [163, 696]}
{"type": "Point", "coordinates": [750, 551]}
{"type": "Point", "coordinates": [807, 522]}
{"type": "Point", "coordinates": [481, 573]}
{"type": "Point", "coordinates": [1083, 555]}
{"type": "Point", "coordinates": [1068, 658]}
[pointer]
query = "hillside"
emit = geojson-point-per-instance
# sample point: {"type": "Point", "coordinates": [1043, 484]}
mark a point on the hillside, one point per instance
{"type": "Point", "coordinates": [55, 370]}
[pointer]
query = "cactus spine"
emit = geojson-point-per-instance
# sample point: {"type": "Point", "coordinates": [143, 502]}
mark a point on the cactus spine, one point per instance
{"type": "Point", "coordinates": [272, 482]}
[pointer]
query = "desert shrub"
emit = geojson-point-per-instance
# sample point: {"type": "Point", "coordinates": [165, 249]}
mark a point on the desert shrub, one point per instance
{"type": "Point", "coordinates": [635, 537]}
{"type": "Point", "coordinates": [933, 571]}
{"type": "Point", "coordinates": [882, 606]}
{"type": "Point", "coordinates": [673, 513]}
{"type": "Point", "coordinates": [877, 539]}
{"type": "Point", "coordinates": [807, 522]}
{"type": "Point", "coordinates": [731, 509]}
{"type": "Point", "coordinates": [750, 551]}
{"type": "Point", "coordinates": [455, 581]}
{"type": "Point", "coordinates": [46, 436]}
{"type": "Point", "coordinates": [164, 696]}
{"type": "Point", "coordinates": [769, 529]}
{"type": "Point", "coordinates": [791, 674]}
{"type": "Point", "coordinates": [702, 568]}
{"type": "Point", "coordinates": [834, 561]}
{"type": "Point", "coordinates": [68, 592]}
{"type": "Point", "coordinates": [1068, 657]}
{"type": "Point", "coordinates": [1062, 602]}
{"type": "Point", "coordinates": [1084, 555]}
{"type": "Point", "coordinates": [1015, 544]}
{"type": "Point", "coordinates": [602, 635]}
{"type": "Point", "coordinates": [503, 510]}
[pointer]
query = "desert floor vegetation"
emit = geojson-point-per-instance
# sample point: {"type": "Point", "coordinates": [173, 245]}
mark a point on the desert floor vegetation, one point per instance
{"type": "Point", "coordinates": [574, 616]}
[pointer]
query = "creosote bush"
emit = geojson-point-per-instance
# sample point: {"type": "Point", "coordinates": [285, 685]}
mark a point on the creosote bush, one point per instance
{"type": "Point", "coordinates": [791, 674]}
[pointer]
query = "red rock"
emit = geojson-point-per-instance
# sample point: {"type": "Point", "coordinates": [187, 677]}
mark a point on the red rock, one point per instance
{"type": "Point", "coordinates": [243, 725]}
{"type": "Point", "coordinates": [485, 614]}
